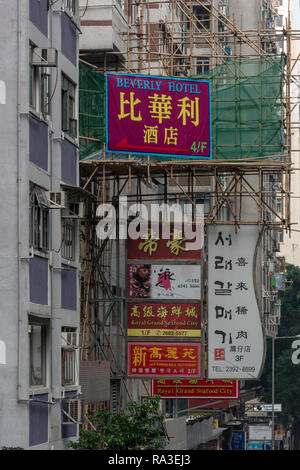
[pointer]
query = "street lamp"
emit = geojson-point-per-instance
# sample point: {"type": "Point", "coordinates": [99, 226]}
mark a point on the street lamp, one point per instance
{"type": "Point", "coordinates": [273, 381]}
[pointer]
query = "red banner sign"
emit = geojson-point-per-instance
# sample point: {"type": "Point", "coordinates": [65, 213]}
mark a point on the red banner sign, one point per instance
{"type": "Point", "coordinates": [196, 388]}
{"type": "Point", "coordinates": [164, 319]}
{"type": "Point", "coordinates": [158, 115]}
{"type": "Point", "coordinates": [155, 247]}
{"type": "Point", "coordinates": [164, 359]}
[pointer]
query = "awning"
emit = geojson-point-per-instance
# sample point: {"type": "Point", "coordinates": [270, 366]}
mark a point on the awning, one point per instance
{"type": "Point", "coordinates": [79, 194]}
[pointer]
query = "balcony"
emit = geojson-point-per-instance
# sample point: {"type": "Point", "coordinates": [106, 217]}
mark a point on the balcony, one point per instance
{"type": "Point", "coordinates": [103, 25]}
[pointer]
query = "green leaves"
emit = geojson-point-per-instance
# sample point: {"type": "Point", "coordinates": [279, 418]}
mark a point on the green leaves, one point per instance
{"type": "Point", "coordinates": [140, 428]}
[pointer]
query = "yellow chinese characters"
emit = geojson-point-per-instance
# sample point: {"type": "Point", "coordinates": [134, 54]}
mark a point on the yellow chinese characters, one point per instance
{"type": "Point", "coordinates": [190, 109]}
{"type": "Point", "coordinates": [150, 244]}
{"type": "Point", "coordinates": [131, 103]}
{"type": "Point", "coordinates": [160, 107]}
{"type": "Point", "coordinates": [175, 243]}
{"type": "Point", "coordinates": [139, 356]}
{"type": "Point", "coordinates": [150, 134]}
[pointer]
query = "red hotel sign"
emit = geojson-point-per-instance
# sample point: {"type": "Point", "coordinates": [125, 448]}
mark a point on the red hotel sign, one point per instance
{"type": "Point", "coordinates": [164, 319]}
{"type": "Point", "coordinates": [158, 115]}
{"type": "Point", "coordinates": [196, 388]}
{"type": "Point", "coordinates": [163, 359]}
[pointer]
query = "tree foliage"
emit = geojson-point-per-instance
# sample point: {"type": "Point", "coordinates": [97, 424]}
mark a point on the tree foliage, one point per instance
{"type": "Point", "coordinates": [287, 374]}
{"type": "Point", "coordinates": [140, 428]}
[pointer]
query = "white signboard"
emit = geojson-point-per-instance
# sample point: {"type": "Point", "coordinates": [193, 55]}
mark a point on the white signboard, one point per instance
{"type": "Point", "coordinates": [235, 334]}
{"type": "Point", "coordinates": [2, 92]}
{"type": "Point", "coordinates": [260, 433]}
{"type": "Point", "coordinates": [296, 353]}
{"type": "Point", "coordinates": [2, 352]}
{"type": "Point", "coordinates": [268, 407]}
{"type": "Point", "coordinates": [164, 281]}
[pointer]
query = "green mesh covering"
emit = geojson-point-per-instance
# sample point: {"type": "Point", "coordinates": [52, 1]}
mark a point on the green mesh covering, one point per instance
{"type": "Point", "coordinates": [91, 109]}
{"type": "Point", "coordinates": [246, 103]}
{"type": "Point", "coordinates": [246, 100]}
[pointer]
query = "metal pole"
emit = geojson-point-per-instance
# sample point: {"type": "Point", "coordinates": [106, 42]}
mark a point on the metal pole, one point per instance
{"type": "Point", "coordinates": [273, 390]}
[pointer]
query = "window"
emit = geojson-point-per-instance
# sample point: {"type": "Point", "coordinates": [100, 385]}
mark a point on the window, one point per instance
{"type": "Point", "coordinates": [202, 65]}
{"type": "Point", "coordinates": [68, 238]}
{"type": "Point", "coordinates": [39, 219]}
{"type": "Point", "coordinates": [203, 15]}
{"type": "Point", "coordinates": [69, 122]}
{"type": "Point", "coordinates": [69, 359]}
{"type": "Point", "coordinates": [39, 93]}
{"type": "Point", "coordinates": [70, 5]}
{"type": "Point", "coordinates": [37, 354]}
{"type": "Point", "coordinates": [279, 20]}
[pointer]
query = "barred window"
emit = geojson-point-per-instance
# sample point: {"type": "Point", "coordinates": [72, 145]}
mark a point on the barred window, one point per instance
{"type": "Point", "coordinates": [68, 238]}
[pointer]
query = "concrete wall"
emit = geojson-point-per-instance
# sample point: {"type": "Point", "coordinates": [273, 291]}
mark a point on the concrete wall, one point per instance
{"type": "Point", "coordinates": [32, 152]}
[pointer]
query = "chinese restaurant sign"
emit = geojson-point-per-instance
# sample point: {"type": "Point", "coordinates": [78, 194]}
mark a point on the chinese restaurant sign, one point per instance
{"type": "Point", "coordinates": [195, 388]}
{"type": "Point", "coordinates": [163, 359]}
{"type": "Point", "coordinates": [163, 281]}
{"type": "Point", "coordinates": [235, 335]}
{"type": "Point", "coordinates": [158, 116]}
{"type": "Point", "coordinates": [155, 247]}
{"type": "Point", "coordinates": [163, 319]}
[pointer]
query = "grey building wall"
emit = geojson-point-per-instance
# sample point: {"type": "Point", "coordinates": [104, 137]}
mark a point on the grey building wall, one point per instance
{"type": "Point", "coordinates": [31, 287]}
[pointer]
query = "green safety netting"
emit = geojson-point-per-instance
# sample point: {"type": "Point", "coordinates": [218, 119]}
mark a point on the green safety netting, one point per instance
{"type": "Point", "coordinates": [91, 109]}
{"type": "Point", "coordinates": [246, 105]}
{"type": "Point", "coordinates": [246, 100]}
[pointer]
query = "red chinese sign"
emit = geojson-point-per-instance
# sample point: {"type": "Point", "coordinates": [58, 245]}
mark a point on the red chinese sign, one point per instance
{"type": "Point", "coordinates": [167, 319]}
{"type": "Point", "coordinates": [163, 359]}
{"type": "Point", "coordinates": [158, 115]}
{"type": "Point", "coordinates": [154, 247]}
{"type": "Point", "coordinates": [196, 388]}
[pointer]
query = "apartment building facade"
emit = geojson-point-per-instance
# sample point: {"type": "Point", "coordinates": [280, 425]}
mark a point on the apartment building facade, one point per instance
{"type": "Point", "coordinates": [41, 204]}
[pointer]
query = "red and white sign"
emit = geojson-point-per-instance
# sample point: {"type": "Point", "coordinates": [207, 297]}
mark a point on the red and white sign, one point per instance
{"type": "Point", "coordinates": [195, 388]}
{"type": "Point", "coordinates": [164, 281]}
{"type": "Point", "coordinates": [164, 359]}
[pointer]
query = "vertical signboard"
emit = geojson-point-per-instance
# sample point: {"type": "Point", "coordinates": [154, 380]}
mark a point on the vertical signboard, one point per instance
{"type": "Point", "coordinates": [163, 303]}
{"type": "Point", "coordinates": [158, 116]}
{"type": "Point", "coordinates": [235, 334]}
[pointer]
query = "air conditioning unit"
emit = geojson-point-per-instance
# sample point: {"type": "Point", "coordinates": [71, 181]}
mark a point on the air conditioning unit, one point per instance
{"type": "Point", "coordinates": [74, 210]}
{"type": "Point", "coordinates": [73, 411]}
{"type": "Point", "coordinates": [44, 57]}
{"type": "Point", "coordinates": [70, 339]}
{"type": "Point", "coordinates": [56, 199]}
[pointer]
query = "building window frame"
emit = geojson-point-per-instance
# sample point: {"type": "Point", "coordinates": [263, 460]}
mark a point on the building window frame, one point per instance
{"type": "Point", "coordinates": [39, 88]}
{"type": "Point", "coordinates": [68, 230]}
{"type": "Point", "coordinates": [69, 361]}
{"type": "Point", "coordinates": [202, 65]}
{"type": "Point", "coordinates": [70, 7]}
{"type": "Point", "coordinates": [39, 220]}
{"type": "Point", "coordinates": [68, 107]}
{"type": "Point", "coordinates": [38, 334]}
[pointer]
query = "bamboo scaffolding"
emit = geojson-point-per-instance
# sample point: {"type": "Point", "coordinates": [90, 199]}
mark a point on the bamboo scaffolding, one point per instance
{"type": "Point", "coordinates": [174, 50]}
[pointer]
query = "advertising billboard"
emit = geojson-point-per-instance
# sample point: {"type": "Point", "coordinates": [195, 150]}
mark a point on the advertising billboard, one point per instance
{"type": "Point", "coordinates": [235, 334]}
{"type": "Point", "coordinates": [195, 388]}
{"type": "Point", "coordinates": [163, 359]}
{"type": "Point", "coordinates": [158, 116]}
{"type": "Point", "coordinates": [164, 319]}
{"type": "Point", "coordinates": [163, 281]}
{"type": "Point", "coordinates": [155, 247]}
